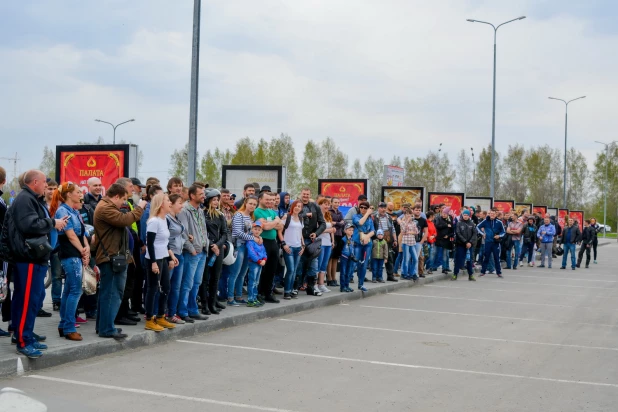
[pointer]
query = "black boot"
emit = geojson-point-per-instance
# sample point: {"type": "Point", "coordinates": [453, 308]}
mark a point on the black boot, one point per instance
{"type": "Point", "coordinates": [211, 306]}
{"type": "Point", "coordinates": [219, 305]}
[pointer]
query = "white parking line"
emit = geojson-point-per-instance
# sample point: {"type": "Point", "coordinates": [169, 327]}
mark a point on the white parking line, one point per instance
{"type": "Point", "coordinates": [495, 301]}
{"type": "Point", "coordinates": [449, 335]}
{"type": "Point", "coordinates": [488, 316]}
{"type": "Point", "coordinates": [547, 284]}
{"type": "Point", "coordinates": [158, 394]}
{"type": "Point", "coordinates": [512, 290]}
{"type": "Point", "coordinates": [402, 365]}
{"type": "Point", "coordinates": [562, 278]}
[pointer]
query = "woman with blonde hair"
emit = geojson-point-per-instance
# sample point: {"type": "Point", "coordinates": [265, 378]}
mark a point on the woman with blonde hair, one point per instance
{"type": "Point", "coordinates": [328, 238]}
{"type": "Point", "coordinates": [159, 262]}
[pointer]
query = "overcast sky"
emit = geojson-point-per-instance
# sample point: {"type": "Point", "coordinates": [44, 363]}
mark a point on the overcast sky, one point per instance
{"type": "Point", "coordinates": [381, 77]}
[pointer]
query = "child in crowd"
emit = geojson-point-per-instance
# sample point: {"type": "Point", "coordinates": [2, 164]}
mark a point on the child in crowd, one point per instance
{"type": "Point", "coordinates": [379, 256]}
{"type": "Point", "coordinates": [348, 260]}
{"type": "Point", "coordinates": [257, 259]}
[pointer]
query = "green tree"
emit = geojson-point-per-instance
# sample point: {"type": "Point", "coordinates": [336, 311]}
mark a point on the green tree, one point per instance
{"type": "Point", "coordinates": [374, 170]}
{"type": "Point", "coordinates": [260, 157]}
{"type": "Point", "coordinates": [578, 182]}
{"type": "Point", "coordinates": [335, 161]}
{"type": "Point", "coordinates": [513, 170]}
{"type": "Point", "coordinates": [544, 176]}
{"type": "Point", "coordinates": [179, 163]}
{"type": "Point", "coordinates": [244, 153]}
{"type": "Point", "coordinates": [396, 161]}
{"type": "Point", "coordinates": [312, 167]}
{"type": "Point", "coordinates": [281, 152]}
{"type": "Point", "coordinates": [357, 171]}
{"type": "Point", "coordinates": [464, 170]}
{"type": "Point", "coordinates": [48, 163]}
{"type": "Point", "coordinates": [607, 162]}
{"type": "Point", "coordinates": [482, 182]}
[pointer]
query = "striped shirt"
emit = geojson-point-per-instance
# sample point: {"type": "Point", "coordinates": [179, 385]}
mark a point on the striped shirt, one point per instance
{"type": "Point", "coordinates": [241, 227]}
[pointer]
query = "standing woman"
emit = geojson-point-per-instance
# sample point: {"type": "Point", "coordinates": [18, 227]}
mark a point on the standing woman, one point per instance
{"type": "Point", "coordinates": [328, 238]}
{"type": "Point", "coordinates": [160, 260]}
{"type": "Point", "coordinates": [338, 223]}
{"type": "Point", "coordinates": [74, 253]}
{"type": "Point", "coordinates": [363, 232]}
{"type": "Point", "coordinates": [216, 226]}
{"type": "Point", "coordinates": [178, 239]}
{"type": "Point", "coordinates": [241, 233]}
{"type": "Point", "coordinates": [409, 230]}
{"type": "Point", "coordinates": [291, 238]}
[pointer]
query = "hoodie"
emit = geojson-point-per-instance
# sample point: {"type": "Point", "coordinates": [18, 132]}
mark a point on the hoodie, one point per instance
{"type": "Point", "coordinates": [283, 208]}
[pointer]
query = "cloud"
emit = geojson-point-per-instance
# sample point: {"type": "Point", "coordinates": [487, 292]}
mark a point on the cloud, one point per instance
{"type": "Point", "coordinates": [394, 77]}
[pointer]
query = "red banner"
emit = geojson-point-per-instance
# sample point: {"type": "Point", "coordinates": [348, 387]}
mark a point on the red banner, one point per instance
{"type": "Point", "coordinates": [579, 216]}
{"type": "Point", "coordinates": [540, 209]}
{"type": "Point", "coordinates": [453, 200]}
{"type": "Point", "coordinates": [346, 191]}
{"type": "Point", "coordinates": [78, 167]}
{"type": "Point", "coordinates": [504, 206]}
{"type": "Point", "coordinates": [562, 216]}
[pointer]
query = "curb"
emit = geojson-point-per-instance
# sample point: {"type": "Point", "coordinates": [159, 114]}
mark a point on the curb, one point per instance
{"type": "Point", "coordinates": [60, 356]}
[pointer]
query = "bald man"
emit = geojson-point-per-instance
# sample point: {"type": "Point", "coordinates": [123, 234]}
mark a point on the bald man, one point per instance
{"type": "Point", "coordinates": [28, 220]}
{"type": "Point", "coordinates": [95, 193]}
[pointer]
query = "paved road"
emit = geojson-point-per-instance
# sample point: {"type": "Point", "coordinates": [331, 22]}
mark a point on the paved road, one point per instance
{"type": "Point", "coordinates": [538, 340]}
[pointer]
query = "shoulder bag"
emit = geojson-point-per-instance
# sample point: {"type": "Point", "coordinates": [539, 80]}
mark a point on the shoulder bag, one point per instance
{"type": "Point", "coordinates": [118, 261]}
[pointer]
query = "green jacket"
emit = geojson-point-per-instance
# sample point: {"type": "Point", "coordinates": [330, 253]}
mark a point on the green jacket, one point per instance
{"type": "Point", "coordinates": [380, 249]}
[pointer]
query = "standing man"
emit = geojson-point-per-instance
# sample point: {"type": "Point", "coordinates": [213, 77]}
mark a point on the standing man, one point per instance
{"type": "Point", "coordinates": [112, 242]}
{"type": "Point", "coordinates": [270, 224]}
{"type": "Point", "coordinates": [174, 186]}
{"type": "Point", "coordinates": [94, 195]}
{"type": "Point", "coordinates": [594, 229]}
{"type": "Point", "coordinates": [28, 220]}
{"type": "Point", "coordinates": [465, 239]}
{"type": "Point", "coordinates": [248, 190]}
{"type": "Point", "coordinates": [571, 235]}
{"type": "Point", "coordinates": [382, 221]}
{"type": "Point", "coordinates": [421, 238]}
{"type": "Point", "coordinates": [514, 229]}
{"type": "Point", "coordinates": [547, 234]}
{"type": "Point", "coordinates": [195, 252]}
{"type": "Point", "coordinates": [313, 226]}
{"type": "Point", "coordinates": [587, 237]}
{"type": "Point", "coordinates": [493, 232]}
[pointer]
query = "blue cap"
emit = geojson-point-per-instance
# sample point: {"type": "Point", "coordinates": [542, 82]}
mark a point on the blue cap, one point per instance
{"type": "Point", "coordinates": [380, 232]}
{"type": "Point", "coordinates": [257, 223]}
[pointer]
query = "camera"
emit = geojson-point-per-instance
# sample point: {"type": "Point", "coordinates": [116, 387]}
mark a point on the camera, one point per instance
{"type": "Point", "coordinates": [353, 258]}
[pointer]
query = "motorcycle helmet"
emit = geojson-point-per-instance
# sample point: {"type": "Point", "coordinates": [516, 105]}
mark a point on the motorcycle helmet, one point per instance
{"type": "Point", "coordinates": [230, 255]}
{"type": "Point", "coordinates": [559, 251]}
{"type": "Point", "coordinates": [212, 193]}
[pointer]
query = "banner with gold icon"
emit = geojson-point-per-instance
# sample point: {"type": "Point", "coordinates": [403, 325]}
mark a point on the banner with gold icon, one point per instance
{"type": "Point", "coordinates": [504, 206]}
{"type": "Point", "coordinates": [455, 201]}
{"type": "Point", "coordinates": [404, 194]}
{"type": "Point", "coordinates": [346, 190]}
{"type": "Point", "coordinates": [521, 208]}
{"type": "Point", "coordinates": [542, 210]}
{"type": "Point", "coordinates": [578, 215]}
{"type": "Point", "coordinates": [563, 215]}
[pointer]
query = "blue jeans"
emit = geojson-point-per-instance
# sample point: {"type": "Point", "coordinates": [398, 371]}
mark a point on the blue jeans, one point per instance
{"type": "Point", "coordinates": [442, 258]}
{"type": "Point", "coordinates": [291, 263]}
{"type": "Point", "coordinates": [419, 254]}
{"type": "Point", "coordinates": [254, 278]}
{"type": "Point", "coordinates": [517, 246]}
{"type": "Point", "coordinates": [323, 258]}
{"type": "Point", "coordinates": [398, 260]}
{"type": "Point", "coordinates": [175, 282]}
{"type": "Point", "coordinates": [28, 294]}
{"type": "Point", "coordinates": [460, 260]}
{"type": "Point", "coordinates": [432, 256]}
{"type": "Point", "coordinates": [569, 248]}
{"type": "Point", "coordinates": [71, 294]}
{"type": "Point", "coordinates": [347, 268]}
{"type": "Point", "coordinates": [362, 253]}
{"type": "Point", "coordinates": [222, 287]}
{"type": "Point", "coordinates": [237, 273]}
{"type": "Point", "coordinates": [377, 269]}
{"type": "Point", "coordinates": [111, 289]}
{"type": "Point", "coordinates": [492, 254]}
{"type": "Point", "coordinates": [192, 275]}
{"type": "Point", "coordinates": [410, 261]}
{"type": "Point", "coordinates": [56, 273]}
{"type": "Point", "coordinates": [528, 249]}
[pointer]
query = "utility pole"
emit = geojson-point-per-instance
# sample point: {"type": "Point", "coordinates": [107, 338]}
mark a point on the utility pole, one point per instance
{"type": "Point", "coordinates": [195, 79]}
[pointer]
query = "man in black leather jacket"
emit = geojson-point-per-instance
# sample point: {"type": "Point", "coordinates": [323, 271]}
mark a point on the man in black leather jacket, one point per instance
{"type": "Point", "coordinates": [313, 226]}
{"type": "Point", "coordinates": [465, 239]}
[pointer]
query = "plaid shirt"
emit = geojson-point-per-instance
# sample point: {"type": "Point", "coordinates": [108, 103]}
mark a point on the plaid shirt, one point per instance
{"type": "Point", "coordinates": [409, 230]}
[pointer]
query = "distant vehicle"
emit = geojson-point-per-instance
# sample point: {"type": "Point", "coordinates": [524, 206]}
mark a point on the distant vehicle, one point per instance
{"type": "Point", "coordinates": [605, 228]}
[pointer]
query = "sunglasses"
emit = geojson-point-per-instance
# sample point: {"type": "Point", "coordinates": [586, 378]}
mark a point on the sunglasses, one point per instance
{"type": "Point", "coordinates": [362, 207]}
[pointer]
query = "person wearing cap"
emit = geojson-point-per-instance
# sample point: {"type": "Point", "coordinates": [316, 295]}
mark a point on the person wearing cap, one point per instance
{"type": "Point", "coordinates": [382, 221]}
{"type": "Point", "coordinates": [138, 188]}
{"type": "Point", "coordinates": [465, 239]}
{"type": "Point", "coordinates": [379, 255]}
{"type": "Point", "coordinates": [257, 256]}
{"type": "Point", "coordinates": [529, 235]}
{"type": "Point", "coordinates": [248, 190]}
{"type": "Point", "coordinates": [353, 211]}
{"type": "Point", "coordinates": [347, 259]}
{"type": "Point", "coordinates": [265, 188]}
{"type": "Point", "coordinates": [226, 206]}
{"type": "Point", "coordinates": [493, 232]}
{"type": "Point", "coordinates": [514, 229]}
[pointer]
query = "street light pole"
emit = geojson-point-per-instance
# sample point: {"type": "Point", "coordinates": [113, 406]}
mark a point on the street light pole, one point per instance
{"type": "Point", "coordinates": [103, 121]}
{"type": "Point", "coordinates": [474, 166]}
{"type": "Point", "coordinates": [435, 170]}
{"type": "Point", "coordinates": [493, 116]}
{"type": "Point", "coordinates": [566, 110]}
{"type": "Point", "coordinates": [607, 145]}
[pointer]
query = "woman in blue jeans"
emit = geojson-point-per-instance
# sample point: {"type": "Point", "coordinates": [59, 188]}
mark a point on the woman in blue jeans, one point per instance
{"type": "Point", "coordinates": [241, 234]}
{"type": "Point", "coordinates": [291, 239]}
{"type": "Point", "coordinates": [74, 253]}
{"type": "Point", "coordinates": [327, 237]}
{"type": "Point", "coordinates": [409, 230]}
{"type": "Point", "coordinates": [178, 238]}
{"type": "Point", "coordinates": [363, 232]}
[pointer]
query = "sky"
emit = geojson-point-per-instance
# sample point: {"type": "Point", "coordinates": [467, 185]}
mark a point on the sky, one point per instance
{"type": "Point", "coordinates": [380, 77]}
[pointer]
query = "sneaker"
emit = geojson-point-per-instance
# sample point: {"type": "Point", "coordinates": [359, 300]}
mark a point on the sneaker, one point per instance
{"type": "Point", "coordinates": [530, 264]}
{"type": "Point", "coordinates": [188, 319]}
{"type": "Point", "coordinates": [176, 319]}
{"type": "Point", "coordinates": [471, 278]}
{"type": "Point", "coordinates": [43, 314]}
{"type": "Point", "coordinates": [482, 274]}
{"type": "Point", "coordinates": [573, 268]}
{"type": "Point", "coordinates": [39, 346]}
{"type": "Point", "coordinates": [4, 334]}
{"type": "Point", "coordinates": [323, 289]}
{"type": "Point", "coordinates": [499, 275]}
{"type": "Point", "coordinates": [294, 292]}
{"type": "Point", "coordinates": [362, 289]}
{"type": "Point", "coordinates": [56, 306]}
{"type": "Point", "coordinates": [454, 277]}
{"type": "Point", "coordinates": [381, 281]}
{"type": "Point", "coordinates": [562, 267]}
{"type": "Point", "coordinates": [29, 352]}
{"type": "Point", "coordinates": [79, 319]}
{"type": "Point", "coordinates": [241, 301]}
{"type": "Point", "coordinates": [287, 296]}
{"type": "Point", "coordinates": [253, 304]}
{"type": "Point", "coordinates": [271, 299]}
{"type": "Point", "coordinates": [374, 281]}
{"type": "Point", "coordinates": [595, 262]}
{"type": "Point", "coordinates": [161, 321]}
{"type": "Point", "coordinates": [541, 266]}
{"type": "Point", "coordinates": [152, 325]}
{"type": "Point", "coordinates": [232, 303]}
{"type": "Point", "coordinates": [521, 264]}
{"type": "Point", "coordinates": [491, 272]}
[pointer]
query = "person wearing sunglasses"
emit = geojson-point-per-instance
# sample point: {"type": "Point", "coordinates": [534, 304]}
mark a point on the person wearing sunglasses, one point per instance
{"type": "Point", "coordinates": [363, 232]}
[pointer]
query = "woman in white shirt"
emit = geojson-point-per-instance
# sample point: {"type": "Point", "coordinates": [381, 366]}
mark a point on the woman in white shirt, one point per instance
{"type": "Point", "coordinates": [291, 239]}
{"type": "Point", "coordinates": [328, 238]}
{"type": "Point", "coordinates": [160, 260]}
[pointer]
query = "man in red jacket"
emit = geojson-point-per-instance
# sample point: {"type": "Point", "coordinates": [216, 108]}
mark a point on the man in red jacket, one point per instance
{"type": "Point", "coordinates": [431, 240]}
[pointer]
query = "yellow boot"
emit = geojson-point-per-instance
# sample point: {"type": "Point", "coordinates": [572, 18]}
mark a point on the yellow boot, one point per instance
{"type": "Point", "coordinates": [152, 325]}
{"type": "Point", "coordinates": [161, 321]}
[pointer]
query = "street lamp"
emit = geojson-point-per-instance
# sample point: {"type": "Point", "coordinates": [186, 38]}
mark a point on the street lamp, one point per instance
{"type": "Point", "coordinates": [566, 106]}
{"type": "Point", "coordinates": [435, 170]}
{"type": "Point", "coordinates": [103, 121]}
{"type": "Point", "coordinates": [607, 145]}
{"type": "Point", "coordinates": [493, 118]}
{"type": "Point", "coordinates": [474, 165]}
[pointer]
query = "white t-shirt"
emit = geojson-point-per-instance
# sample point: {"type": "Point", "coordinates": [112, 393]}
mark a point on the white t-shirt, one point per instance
{"type": "Point", "coordinates": [326, 239]}
{"type": "Point", "coordinates": [158, 226]}
{"type": "Point", "coordinates": [294, 233]}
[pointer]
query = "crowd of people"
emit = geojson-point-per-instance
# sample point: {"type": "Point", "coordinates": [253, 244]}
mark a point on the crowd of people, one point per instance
{"type": "Point", "coordinates": [181, 254]}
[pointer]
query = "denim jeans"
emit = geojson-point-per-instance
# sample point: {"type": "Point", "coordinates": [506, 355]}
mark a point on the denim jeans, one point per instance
{"type": "Point", "coordinates": [377, 269]}
{"type": "Point", "coordinates": [432, 256]}
{"type": "Point", "coordinates": [237, 273]}
{"type": "Point", "coordinates": [346, 267]}
{"type": "Point", "coordinates": [460, 260]}
{"type": "Point", "coordinates": [410, 261]}
{"type": "Point", "coordinates": [528, 249]}
{"type": "Point", "coordinates": [419, 254]}
{"type": "Point", "coordinates": [442, 258]}
{"type": "Point", "coordinates": [222, 287]}
{"type": "Point", "coordinates": [323, 258]}
{"type": "Point", "coordinates": [517, 246]}
{"type": "Point", "coordinates": [71, 294]}
{"type": "Point", "coordinates": [492, 254]}
{"type": "Point", "coordinates": [175, 282]}
{"type": "Point", "coordinates": [111, 289]}
{"type": "Point", "coordinates": [292, 261]}
{"type": "Point", "coordinates": [569, 248]}
{"type": "Point", "coordinates": [398, 261]}
{"type": "Point", "coordinates": [192, 275]}
{"type": "Point", "coordinates": [362, 253]}
{"type": "Point", "coordinates": [254, 278]}
{"type": "Point", "coordinates": [56, 273]}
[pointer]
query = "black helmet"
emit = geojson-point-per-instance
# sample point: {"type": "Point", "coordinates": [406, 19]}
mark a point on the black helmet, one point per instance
{"type": "Point", "coordinates": [212, 193]}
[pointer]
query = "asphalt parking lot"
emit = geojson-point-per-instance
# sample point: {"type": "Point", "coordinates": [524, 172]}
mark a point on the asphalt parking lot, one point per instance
{"type": "Point", "coordinates": [537, 340]}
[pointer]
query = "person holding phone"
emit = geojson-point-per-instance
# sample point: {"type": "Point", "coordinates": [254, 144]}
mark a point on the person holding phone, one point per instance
{"type": "Point", "coordinates": [364, 230]}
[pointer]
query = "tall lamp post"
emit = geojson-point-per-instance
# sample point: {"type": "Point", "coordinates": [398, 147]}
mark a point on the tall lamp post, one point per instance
{"type": "Point", "coordinates": [607, 145]}
{"type": "Point", "coordinates": [493, 117]}
{"type": "Point", "coordinates": [112, 125]}
{"type": "Point", "coordinates": [435, 170]}
{"type": "Point", "coordinates": [474, 165]}
{"type": "Point", "coordinates": [566, 107]}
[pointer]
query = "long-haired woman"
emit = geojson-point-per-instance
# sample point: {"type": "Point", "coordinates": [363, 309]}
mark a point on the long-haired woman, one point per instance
{"type": "Point", "coordinates": [178, 239]}
{"type": "Point", "coordinates": [74, 253]}
{"type": "Point", "coordinates": [291, 239]}
{"type": "Point", "coordinates": [338, 223]}
{"type": "Point", "coordinates": [159, 261]}
{"type": "Point", "coordinates": [328, 238]}
{"type": "Point", "coordinates": [241, 233]}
